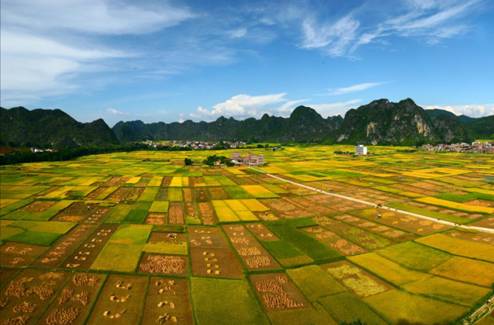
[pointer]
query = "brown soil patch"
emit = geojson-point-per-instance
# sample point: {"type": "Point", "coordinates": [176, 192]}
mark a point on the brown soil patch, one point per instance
{"type": "Point", "coordinates": [5, 276]}
{"type": "Point", "coordinates": [482, 203]}
{"type": "Point", "coordinates": [167, 237]}
{"type": "Point", "coordinates": [73, 302]}
{"type": "Point", "coordinates": [38, 206]}
{"type": "Point", "coordinates": [24, 298]}
{"type": "Point", "coordinates": [334, 241]}
{"type": "Point", "coordinates": [254, 256]}
{"type": "Point", "coordinates": [155, 218]}
{"type": "Point", "coordinates": [377, 228]}
{"type": "Point", "coordinates": [362, 237]}
{"type": "Point", "coordinates": [126, 194]}
{"type": "Point", "coordinates": [206, 237]}
{"type": "Point", "coordinates": [85, 255]}
{"type": "Point", "coordinates": [190, 209]}
{"type": "Point", "coordinates": [166, 181]}
{"type": "Point", "coordinates": [218, 193]}
{"type": "Point", "coordinates": [473, 236]}
{"type": "Point", "coordinates": [262, 232]}
{"type": "Point", "coordinates": [287, 209]}
{"type": "Point", "coordinates": [277, 292]}
{"type": "Point", "coordinates": [167, 302]}
{"type": "Point", "coordinates": [207, 213]}
{"type": "Point", "coordinates": [79, 211]}
{"type": "Point", "coordinates": [487, 222]}
{"type": "Point", "coordinates": [175, 214]}
{"type": "Point", "coordinates": [215, 262]}
{"type": "Point", "coordinates": [405, 222]}
{"type": "Point", "coordinates": [97, 192]}
{"type": "Point", "coordinates": [188, 194]}
{"type": "Point", "coordinates": [163, 264]}
{"type": "Point", "coordinates": [17, 254]}
{"type": "Point", "coordinates": [201, 195]}
{"type": "Point", "coordinates": [62, 248]}
{"type": "Point", "coordinates": [120, 301]}
{"type": "Point", "coordinates": [116, 181]}
{"type": "Point", "coordinates": [162, 195]}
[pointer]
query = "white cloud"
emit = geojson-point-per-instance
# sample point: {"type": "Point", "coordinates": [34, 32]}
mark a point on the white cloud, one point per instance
{"type": "Point", "coordinates": [46, 45]}
{"type": "Point", "coordinates": [244, 106]}
{"type": "Point", "coordinates": [431, 20]}
{"type": "Point", "coordinates": [333, 37]}
{"type": "Point", "coordinates": [92, 16]}
{"type": "Point", "coordinates": [335, 108]}
{"type": "Point", "coordinates": [354, 88]}
{"type": "Point", "coordinates": [472, 110]}
{"type": "Point", "coordinates": [35, 66]}
{"type": "Point", "coordinates": [114, 111]}
{"type": "Point", "coordinates": [288, 106]}
{"type": "Point", "coordinates": [238, 33]}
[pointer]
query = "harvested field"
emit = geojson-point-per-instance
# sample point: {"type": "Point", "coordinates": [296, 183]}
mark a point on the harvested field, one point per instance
{"type": "Point", "coordinates": [26, 295]}
{"type": "Point", "coordinates": [83, 257]}
{"type": "Point", "coordinates": [73, 303]}
{"type": "Point", "coordinates": [17, 254]}
{"type": "Point", "coordinates": [254, 256]}
{"type": "Point", "coordinates": [167, 301]}
{"type": "Point", "coordinates": [176, 214]}
{"type": "Point", "coordinates": [163, 264]}
{"type": "Point", "coordinates": [355, 279]}
{"type": "Point", "coordinates": [277, 292]}
{"type": "Point", "coordinates": [120, 300]}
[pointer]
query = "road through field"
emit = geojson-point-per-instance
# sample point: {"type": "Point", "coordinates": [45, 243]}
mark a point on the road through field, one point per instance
{"type": "Point", "coordinates": [345, 197]}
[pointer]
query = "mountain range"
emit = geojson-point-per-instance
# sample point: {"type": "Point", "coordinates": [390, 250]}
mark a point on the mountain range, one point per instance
{"type": "Point", "coordinates": [379, 122]}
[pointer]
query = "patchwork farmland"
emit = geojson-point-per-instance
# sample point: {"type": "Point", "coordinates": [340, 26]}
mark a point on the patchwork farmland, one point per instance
{"type": "Point", "coordinates": [129, 238]}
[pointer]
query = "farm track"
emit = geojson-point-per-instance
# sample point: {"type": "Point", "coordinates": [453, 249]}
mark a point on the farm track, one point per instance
{"type": "Point", "coordinates": [345, 197]}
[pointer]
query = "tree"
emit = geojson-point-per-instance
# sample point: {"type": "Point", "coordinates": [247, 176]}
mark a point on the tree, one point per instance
{"type": "Point", "coordinates": [188, 162]}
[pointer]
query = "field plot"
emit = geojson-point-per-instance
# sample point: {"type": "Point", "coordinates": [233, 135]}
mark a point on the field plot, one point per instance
{"type": "Point", "coordinates": [72, 304]}
{"type": "Point", "coordinates": [167, 301]}
{"type": "Point", "coordinates": [139, 238]}
{"type": "Point", "coordinates": [26, 296]}
{"type": "Point", "coordinates": [120, 301]}
{"type": "Point", "coordinates": [215, 299]}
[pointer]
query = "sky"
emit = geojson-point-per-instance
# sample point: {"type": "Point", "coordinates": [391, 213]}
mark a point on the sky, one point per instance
{"type": "Point", "coordinates": [166, 60]}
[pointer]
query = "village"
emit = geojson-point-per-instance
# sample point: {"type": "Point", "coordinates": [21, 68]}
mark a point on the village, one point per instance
{"type": "Point", "coordinates": [474, 147]}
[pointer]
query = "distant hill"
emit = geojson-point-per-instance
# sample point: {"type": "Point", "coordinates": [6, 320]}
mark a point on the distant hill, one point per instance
{"type": "Point", "coordinates": [402, 123]}
{"type": "Point", "coordinates": [303, 125]}
{"type": "Point", "coordinates": [379, 122]}
{"type": "Point", "coordinates": [50, 128]}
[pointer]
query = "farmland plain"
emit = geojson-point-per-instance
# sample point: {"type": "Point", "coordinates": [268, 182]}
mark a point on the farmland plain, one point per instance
{"type": "Point", "coordinates": [140, 238]}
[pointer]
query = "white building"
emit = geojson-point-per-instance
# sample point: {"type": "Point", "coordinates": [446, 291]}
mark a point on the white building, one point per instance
{"type": "Point", "coordinates": [361, 150]}
{"type": "Point", "coordinates": [249, 160]}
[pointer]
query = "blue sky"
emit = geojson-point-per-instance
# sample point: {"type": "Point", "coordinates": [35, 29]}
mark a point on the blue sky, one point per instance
{"type": "Point", "coordinates": [177, 60]}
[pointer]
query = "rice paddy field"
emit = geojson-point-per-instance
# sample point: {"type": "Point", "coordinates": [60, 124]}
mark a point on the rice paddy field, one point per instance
{"type": "Point", "coordinates": [138, 238]}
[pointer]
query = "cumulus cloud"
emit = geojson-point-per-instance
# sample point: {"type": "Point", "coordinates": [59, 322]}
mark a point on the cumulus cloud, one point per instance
{"type": "Point", "coordinates": [244, 106]}
{"type": "Point", "coordinates": [354, 88]}
{"type": "Point", "coordinates": [472, 110]}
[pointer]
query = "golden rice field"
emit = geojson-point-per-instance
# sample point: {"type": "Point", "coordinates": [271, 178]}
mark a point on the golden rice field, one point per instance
{"type": "Point", "coordinates": [139, 238]}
